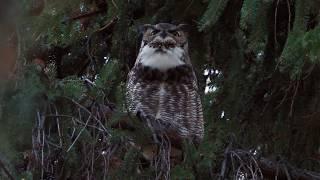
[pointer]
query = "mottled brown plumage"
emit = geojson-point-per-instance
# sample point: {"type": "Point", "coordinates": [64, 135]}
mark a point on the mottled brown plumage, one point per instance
{"type": "Point", "coordinates": [162, 87]}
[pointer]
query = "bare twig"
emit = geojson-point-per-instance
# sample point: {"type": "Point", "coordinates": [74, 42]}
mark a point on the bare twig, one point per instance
{"type": "Point", "coordinates": [284, 97]}
{"type": "Point", "coordinates": [105, 169]}
{"type": "Point", "coordinates": [85, 15]}
{"type": "Point", "coordinates": [83, 128]}
{"type": "Point", "coordinates": [247, 164]}
{"type": "Point", "coordinates": [75, 120]}
{"type": "Point", "coordinates": [277, 172]}
{"type": "Point", "coordinates": [85, 109]}
{"type": "Point", "coordinates": [275, 22]}
{"type": "Point", "coordinates": [42, 154]}
{"type": "Point", "coordinates": [309, 71]}
{"type": "Point", "coordinates": [188, 7]}
{"type": "Point", "coordinates": [53, 144]}
{"type": "Point", "coordinates": [92, 158]}
{"type": "Point", "coordinates": [114, 4]}
{"type": "Point", "coordinates": [225, 161]}
{"type": "Point", "coordinates": [263, 168]}
{"type": "Point", "coordinates": [2, 166]}
{"type": "Point", "coordinates": [286, 171]}
{"type": "Point", "coordinates": [107, 154]}
{"type": "Point", "coordinates": [41, 139]}
{"type": "Point", "coordinates": [58, 126]}
{"type": "Point", "coordinates": [294, 97]}
{"type": "Point", "coordinates": [109, 24]}
{"type": "Point", "coordinates": [289, 16]}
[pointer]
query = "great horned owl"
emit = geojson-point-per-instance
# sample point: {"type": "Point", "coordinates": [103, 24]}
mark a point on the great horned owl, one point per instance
{"type": "Point", "coordinates": [162, 85]}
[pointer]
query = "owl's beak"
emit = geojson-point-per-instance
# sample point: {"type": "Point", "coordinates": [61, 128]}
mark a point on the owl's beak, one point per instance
{"type": "Point", "coordinates": [161, 44]}
{"type": "Point", "coordinates": [163, 34]}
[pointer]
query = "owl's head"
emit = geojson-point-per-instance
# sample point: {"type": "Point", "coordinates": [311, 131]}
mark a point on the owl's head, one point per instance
{"type": "Point", "coordinates": [163, 46]}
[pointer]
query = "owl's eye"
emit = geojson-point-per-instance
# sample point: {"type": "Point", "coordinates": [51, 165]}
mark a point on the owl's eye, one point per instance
{"type": "Point", "coordinates": [176, 33]}
{"type": "Point", "coordinates": [154, 32]}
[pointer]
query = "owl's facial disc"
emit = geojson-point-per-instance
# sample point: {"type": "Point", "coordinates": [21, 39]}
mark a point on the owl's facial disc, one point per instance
{"type": "Point", "coordinates": [160, 57]}
{"type": "Point", "coordinates": [164, 46]}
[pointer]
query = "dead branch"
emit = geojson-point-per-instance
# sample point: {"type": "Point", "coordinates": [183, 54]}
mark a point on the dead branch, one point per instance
{"type": "Point", "coordinates": [6, 171]}
{"type": "Point", "coordinates": [263, 168]}
{"type": "Point", "coordinates": [294, 97]}
{"type": "Point", "coordinates": [275, 22]}
{"type": "Point", "coordinates": [269, 169]}
{"type": "Point", "coordinates": [225, 161]}
{"type": "Point", "coordinates": [83, 128]}
{"type": "Point", "coordinates": [90, 114]}
{"type": "Point", "coordinates": [85, 15]}
{"type": "Point", "coordinates": [110, 24]}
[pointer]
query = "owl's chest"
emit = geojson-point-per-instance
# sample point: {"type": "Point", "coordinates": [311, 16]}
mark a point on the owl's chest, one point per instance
{"type": "Point", "coordinates": [182, 74]}
{"type": "Point", "coordinates": [157, 93]}
{"type": "Point", "coordinates": [155, 90]}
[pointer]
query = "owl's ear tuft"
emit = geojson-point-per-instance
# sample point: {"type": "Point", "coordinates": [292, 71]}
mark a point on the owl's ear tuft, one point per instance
{"type": "Point", "coordinates": [144, 28]}
{"type": "Point", "coordinates": [184, 27]}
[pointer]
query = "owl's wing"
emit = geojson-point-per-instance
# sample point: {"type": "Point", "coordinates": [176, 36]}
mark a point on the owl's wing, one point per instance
{"type": "Point", "coordinates": [140, 95]}
{"type": "Point", "coordinates": [194, 81]}
{"type": "Point", "coordinates": [196, 109]}
{"type": "Point", "coordinates": [130, 92]}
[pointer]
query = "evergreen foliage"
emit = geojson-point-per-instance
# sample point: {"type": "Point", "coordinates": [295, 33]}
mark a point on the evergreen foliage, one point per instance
{"type": "Point", "coordinates": [212, 14]}
{"type": "Point", "coordinates": [302, 43]}
{"type": "Point", "coordinates": [253, 21]}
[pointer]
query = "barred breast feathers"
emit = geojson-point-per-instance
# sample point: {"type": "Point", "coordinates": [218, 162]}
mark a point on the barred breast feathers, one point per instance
{"type": "Point", "coordinates": [152, 92]}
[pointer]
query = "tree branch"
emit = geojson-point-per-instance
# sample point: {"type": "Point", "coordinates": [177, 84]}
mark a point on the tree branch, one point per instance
{"type": "Point", "coordinates": [2, 166]}
{"type": "Point", "coordinates": [270, 169]}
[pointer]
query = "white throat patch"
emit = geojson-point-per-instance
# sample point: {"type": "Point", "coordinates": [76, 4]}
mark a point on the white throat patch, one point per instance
{"type": "Point", "coordinates": [167, 59]}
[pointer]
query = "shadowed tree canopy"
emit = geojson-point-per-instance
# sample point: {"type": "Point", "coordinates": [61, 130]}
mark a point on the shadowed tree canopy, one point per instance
{"type": "Point", "coordinates": [64, 66]}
